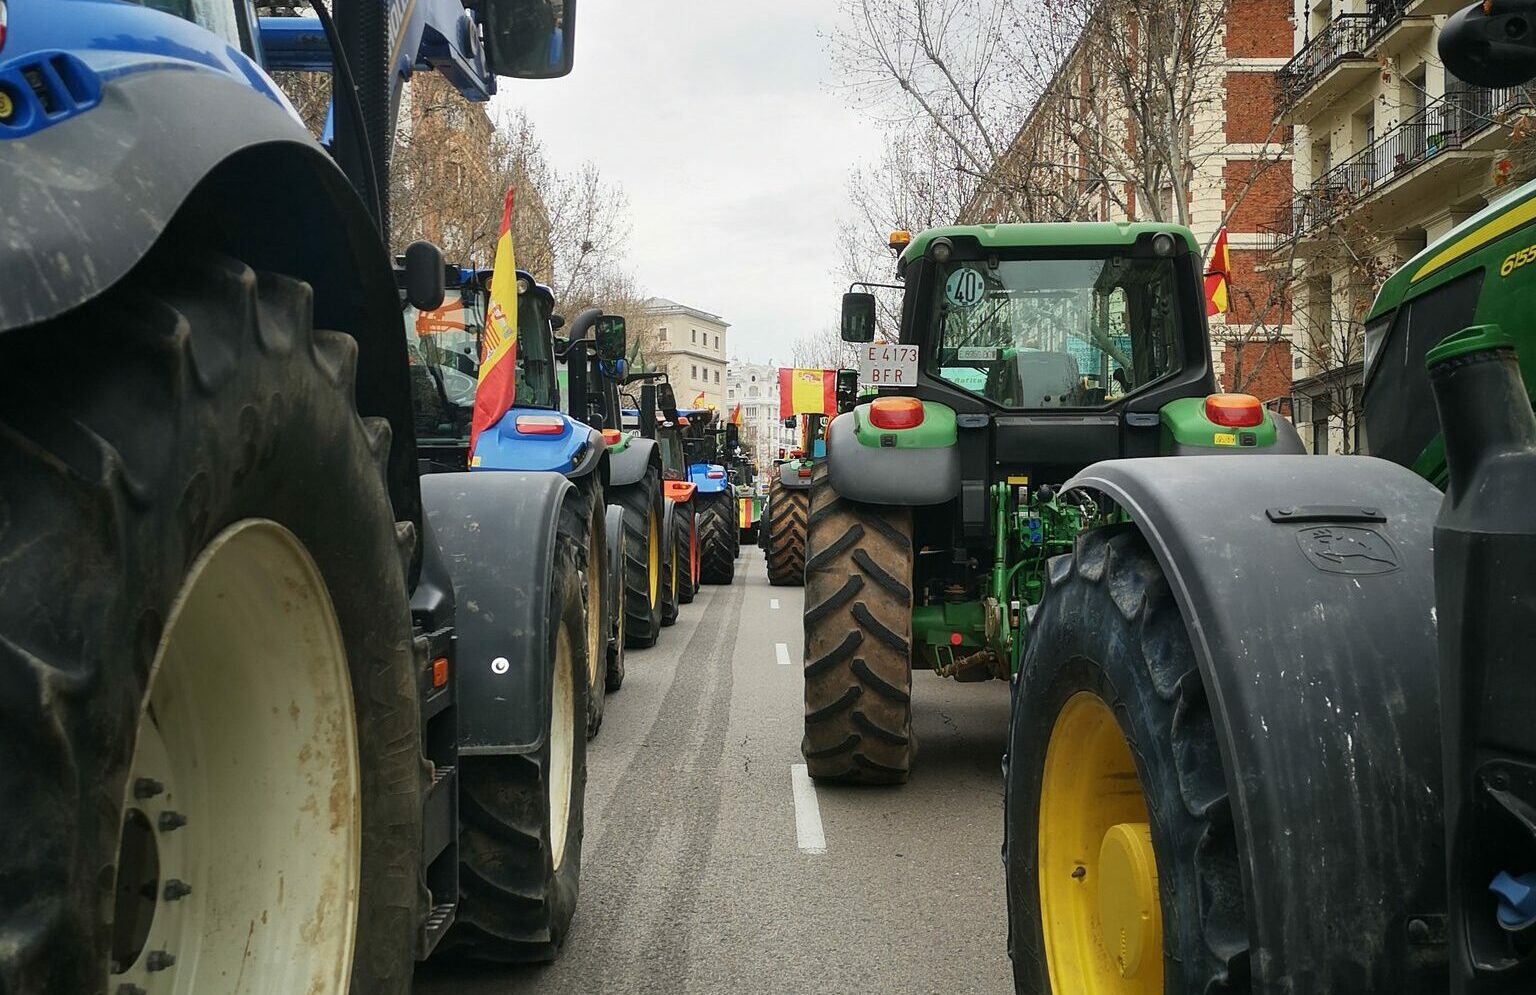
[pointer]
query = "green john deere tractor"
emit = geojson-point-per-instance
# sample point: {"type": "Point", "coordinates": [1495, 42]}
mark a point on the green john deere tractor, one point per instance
{"type": "Point", "coordinates": [1273, 723]}
{"type": "Point", "coordinates": [1043, 348]}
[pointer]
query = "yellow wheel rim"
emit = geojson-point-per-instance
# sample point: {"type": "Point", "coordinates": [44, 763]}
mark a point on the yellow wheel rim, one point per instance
{"type": "Point", "coordinates": [595, 616]}
{"type": "Point", "coordinates": [1099, 909]}
{"type": "Point", "coordinates": [654, 556]}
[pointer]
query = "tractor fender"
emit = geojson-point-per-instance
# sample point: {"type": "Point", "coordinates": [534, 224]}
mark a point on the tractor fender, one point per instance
{"type": "Point", "coordinates": [171, 134]}
{"type": "Point", "coordinates": [1307, 587]}
{"type": "Point", "coordinates": [789, 477]}
{"type": "Point", "coordinates": [699, 474]}
{"type": "Point", "coordinates": [613, 523]}
{"type": "Point", "coordinates": [629, 464]}
{"type": "Point", "coordinates": [879, 475]}
{"type": "Point", "coordinates": [497, 536]}
{"type": "Point", "coordinates": [575, 451]}
{"type": "Point", "coordinates": [678, 491]}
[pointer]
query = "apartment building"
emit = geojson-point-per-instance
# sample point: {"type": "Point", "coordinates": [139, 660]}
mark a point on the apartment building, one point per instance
{"type": "Point", "coordinates": [1390, 151]}
{"type": "Point", "coordinates": [755, 386]}
{"type": "Point", "coordinates": [689, 344]}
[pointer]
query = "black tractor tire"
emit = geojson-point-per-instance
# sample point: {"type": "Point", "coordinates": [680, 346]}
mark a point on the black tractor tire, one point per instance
{"type": "Point", "coordinates": [785, 542]}
{"type": "Point", "coordinates": [515, 901]}
{"type": "Point", "coordinates": [858, 641]}
{"type": "Point", "coordinates": [642, 504]}
{"type": "Point", "coordinates": [198, 395]}
{"type": "Point", "coordinates": [1108, 625]}
{"type": "Point", "coordinates": [688, 552]}
{"type": "Point", "coordinates": [671, 562]}
{"type": "Point", "coordinates": [717, 538]}
{"type": "Point", "coordinates": [583, 520]}
{"type": "Point", "coordinates": [618, 556]}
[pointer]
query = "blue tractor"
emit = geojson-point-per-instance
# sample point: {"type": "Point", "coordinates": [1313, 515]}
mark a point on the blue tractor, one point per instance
{"type": "Point", "coordinates": [284, 709]}
{"type": "Point", "coordinates": [714, 497]}
{"type": "Point", "coordinates": [535, 436]}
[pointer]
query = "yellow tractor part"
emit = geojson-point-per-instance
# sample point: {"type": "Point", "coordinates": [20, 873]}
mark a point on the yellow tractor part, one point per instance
{"type": "Point", "coordinates": [655, 554]}
{"type": "Point", "coordinates": [1101, 920]}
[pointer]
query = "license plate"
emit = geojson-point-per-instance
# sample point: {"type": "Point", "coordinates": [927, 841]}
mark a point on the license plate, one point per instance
{"type": "Point", "coordinates": [888, 365]}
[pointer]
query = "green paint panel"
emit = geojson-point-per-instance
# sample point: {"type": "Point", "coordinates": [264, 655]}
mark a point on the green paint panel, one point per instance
{"type": "Point", "coordinates": [937, 430]}
{"type": "Point", "coordinates": [933, 625]}
{"type": "Point", "coordinates": [624, 440]}
{"type": "Point", "coordinates": [1185, 424]}
{"type": "Point", "coordinates": [1086, 234]}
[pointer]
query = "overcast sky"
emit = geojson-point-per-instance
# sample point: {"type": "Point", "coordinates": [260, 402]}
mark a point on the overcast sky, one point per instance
{"type": "Point", "coordinates": [721, 122]}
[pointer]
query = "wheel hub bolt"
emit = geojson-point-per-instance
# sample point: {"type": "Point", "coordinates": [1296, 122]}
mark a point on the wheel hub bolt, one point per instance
{"type": "Point", "coordinates": [158, 960]}
{"type": "Point", "coordinates": [146, 787]}
{"type": "Point", "coordinates": [175, 889]}
{"type": "Point", "coordinates": [171, 820]}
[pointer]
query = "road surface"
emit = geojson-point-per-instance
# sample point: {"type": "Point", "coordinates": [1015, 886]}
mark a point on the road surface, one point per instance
{"type": "Point", "coordinates": [711, 866]}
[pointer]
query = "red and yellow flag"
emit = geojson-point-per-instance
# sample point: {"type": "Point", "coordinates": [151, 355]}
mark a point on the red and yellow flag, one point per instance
{"type": "Point", "coordinates": [1218, 277]}
{"type": "Point", "coordinates": [736, 415]}
{"type": "Point", "coordinates": [807, 392]}
{"type": "Point", "coordinates": [497, 391]}
{"type": "Point", "coordinates": [698, 402]}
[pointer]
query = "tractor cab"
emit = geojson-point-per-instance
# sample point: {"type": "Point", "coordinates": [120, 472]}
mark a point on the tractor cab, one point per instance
{"type": "Point", "coordinates": [1054, 346]}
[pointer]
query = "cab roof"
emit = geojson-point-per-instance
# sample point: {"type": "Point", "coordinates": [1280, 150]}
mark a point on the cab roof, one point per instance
{"type": "Point", "coordinates": [1087, 234]}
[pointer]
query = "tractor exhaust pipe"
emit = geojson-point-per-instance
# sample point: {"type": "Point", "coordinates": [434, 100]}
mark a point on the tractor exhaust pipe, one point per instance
{"type": "Point", "coordinates": [1485, 559]}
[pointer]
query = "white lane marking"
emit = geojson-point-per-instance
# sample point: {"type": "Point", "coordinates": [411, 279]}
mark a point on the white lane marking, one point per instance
{"type": "Point", "coordinates": [773, 603]}
{"type": "Point", "coordinates": [807, 813]}
{"type": "Point", "coordinates": [781, 650]}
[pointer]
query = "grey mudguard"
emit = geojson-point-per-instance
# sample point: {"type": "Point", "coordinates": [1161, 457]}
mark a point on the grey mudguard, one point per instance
{"type": "Point", "coordinates": [83, 201]}
{"type": "Point", "coordinates": [629, 466]}
{"type": "Point", "coordinates": [789, 476]}
{"type": "Point", "coordinates": [1307, 586]}
{"type": "Point", "coordinates": [890, 476]}
{"type": "Point", "coordinates": [496, 531]}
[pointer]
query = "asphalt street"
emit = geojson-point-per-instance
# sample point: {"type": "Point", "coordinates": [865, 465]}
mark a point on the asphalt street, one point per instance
{"type": "Point", "coordinates": [711, 866]}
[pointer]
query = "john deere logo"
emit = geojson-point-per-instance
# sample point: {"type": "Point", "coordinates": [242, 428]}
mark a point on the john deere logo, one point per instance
{"type": "Point", "coordinates": [1344, 549]}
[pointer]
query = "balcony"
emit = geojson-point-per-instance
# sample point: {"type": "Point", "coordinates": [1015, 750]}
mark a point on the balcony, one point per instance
{"type": "Point", "coordinates": [1406, 170]}
{"type": "Point", "coordinates": [1328, 66]}
{"type": "Point", "coordinates": [1394, 26]}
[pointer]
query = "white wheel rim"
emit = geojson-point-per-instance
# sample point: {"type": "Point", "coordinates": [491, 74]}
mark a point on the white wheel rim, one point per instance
{"type": "Point", "coordinates": [562, 744]}
{"type": "Point", "coordinates": [248, 733]}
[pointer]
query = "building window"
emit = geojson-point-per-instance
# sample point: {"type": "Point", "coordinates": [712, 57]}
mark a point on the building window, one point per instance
{"type": "Point", "coordinates": [717, 376]}
{"type": "Point", "coordinates": [693, 372]}
{"type": "Point", "coordinates": [1320, 437]}
{"type": "Point", "coordinates": [717, 340]}
{"type": "Point", "coordinates": [694, 333]}
{"type": "Point", "coordinates": [752, 391]}
{"type": "Point", "coordinates": [663, 332]}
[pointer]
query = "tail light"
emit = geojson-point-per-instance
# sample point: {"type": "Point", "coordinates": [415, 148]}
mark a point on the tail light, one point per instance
{"type": "Point", "coordinates": [805, 471]}
{"type": "Point", "coordinates": [611, 436]}
{"type": "Point", "coordinates": [715, 474]}
{"type": "Point", "coordinates": [896, 412]}
{"type": "Point", "coordinates": [2, 24]}
{"type": "Point", "coordinates": [1234, 410]}
{"type": "Point", "coordinates": [540, 425]}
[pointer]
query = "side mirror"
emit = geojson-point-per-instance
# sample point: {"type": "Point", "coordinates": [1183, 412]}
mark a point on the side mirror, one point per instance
{"type": "Point", "coordinates": [424, 283]}
{"type": "Point", "coordinates": [610, 336]}
{"type": "Point", "coordinates": [790, 422]}
{"type": "Point", "coordinates": [666, 400]}
{"type": "Point", "coordinates": [858, 324]}
{"type": "Point", "coordinates": [529, 39]}
{"type": "Point", "coordinates": [1491, 49]}
{"type": "Point", "coordinates": [556, 322]}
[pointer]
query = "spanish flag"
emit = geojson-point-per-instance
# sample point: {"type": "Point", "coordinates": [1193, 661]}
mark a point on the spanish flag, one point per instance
{"type": "Point", "coordinates": [698, 402]}
{"type": "Point", "coordinates": [1218, 277]}
{"type": "Point", "coordinates": [807, 392]}
{"type": "Point", "coordinates": [497, 391]}
{"type": "Point", "coordinates": [736, 415]}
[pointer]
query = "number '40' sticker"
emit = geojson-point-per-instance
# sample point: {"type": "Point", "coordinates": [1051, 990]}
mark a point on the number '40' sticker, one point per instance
{"type": "Point", "coordinates": [965, 288]}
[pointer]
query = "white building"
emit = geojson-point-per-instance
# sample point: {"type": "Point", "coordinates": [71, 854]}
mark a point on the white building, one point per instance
{"type": "Point", "coordinates": [690, 346]}
{"type": "Point", "coordinates": [755, 386]}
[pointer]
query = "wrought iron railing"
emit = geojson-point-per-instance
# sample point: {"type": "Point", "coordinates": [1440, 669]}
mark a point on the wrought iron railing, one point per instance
{"type": "Point", "coordinates": [1346, 36]}
{"type": "Point", "coordinates": [1448, 124]}
{"type": "Point", "coordinates": [1382, 15]}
